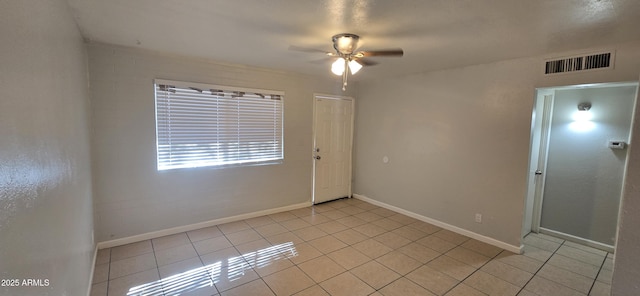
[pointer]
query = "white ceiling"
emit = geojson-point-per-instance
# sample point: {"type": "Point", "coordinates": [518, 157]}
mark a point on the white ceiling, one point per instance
{"type": "Point", "coordinates": [434, 34]}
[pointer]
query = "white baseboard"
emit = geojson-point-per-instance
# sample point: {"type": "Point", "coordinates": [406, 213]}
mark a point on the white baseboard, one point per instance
{"type": "Point", "coordinates": [467, 233]}
{"type": "Point", "coordinates": [579, 240]}
{"type": "Point", "coordinates": [179, 229]}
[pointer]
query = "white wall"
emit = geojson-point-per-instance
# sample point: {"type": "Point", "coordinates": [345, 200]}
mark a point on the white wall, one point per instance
{"type": "Point", "coordinates": [627, 263]}
{"type": "Point", "coordinates": [583, 176]}
{"type": "Point", "coordinates": [46, 215]}
{"type": "Point", "coordinates": [458, 140]}
{"type": "Point", "coordinates": [132, 197]}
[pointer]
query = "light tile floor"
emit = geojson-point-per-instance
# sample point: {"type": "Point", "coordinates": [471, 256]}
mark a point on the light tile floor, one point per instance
{"type": "Point", "coordinates": [346, 247]}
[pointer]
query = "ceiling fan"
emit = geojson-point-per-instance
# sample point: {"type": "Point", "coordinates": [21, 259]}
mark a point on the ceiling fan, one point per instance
{"type": "Point", "coordinates": [347, 59]}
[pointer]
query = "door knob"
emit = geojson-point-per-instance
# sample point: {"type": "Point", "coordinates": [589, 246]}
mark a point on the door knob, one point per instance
{"type": "Point", "coordinates": [538, 172]}
{"type": "Point", "coordinates": [317, 157]}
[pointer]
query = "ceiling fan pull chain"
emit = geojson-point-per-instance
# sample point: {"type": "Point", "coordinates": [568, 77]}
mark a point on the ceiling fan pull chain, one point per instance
{"type": "Point", "coordinates": [344, 75]}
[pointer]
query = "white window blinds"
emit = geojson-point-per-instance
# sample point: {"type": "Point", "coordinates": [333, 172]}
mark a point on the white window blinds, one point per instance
{"type": "Point", "coordinates": [207, 125]}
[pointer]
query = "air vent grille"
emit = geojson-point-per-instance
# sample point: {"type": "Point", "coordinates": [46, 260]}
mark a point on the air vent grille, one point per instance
{"type": "Point", "coordinates": [579, 63]}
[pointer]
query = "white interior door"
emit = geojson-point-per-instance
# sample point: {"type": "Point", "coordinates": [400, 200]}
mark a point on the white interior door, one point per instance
{"type": "Point", "coordinates": [541, 161]}
{"type": "Point", "coordinates": [333, 137]}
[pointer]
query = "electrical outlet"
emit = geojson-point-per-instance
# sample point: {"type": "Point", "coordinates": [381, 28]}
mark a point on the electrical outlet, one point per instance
{"type": "Point", "coordinates": [478, 218]}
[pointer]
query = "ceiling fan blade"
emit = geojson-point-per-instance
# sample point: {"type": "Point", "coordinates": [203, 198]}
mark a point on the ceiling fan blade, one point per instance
{"type": "Point", "coordinates": [398, 52]}
{"type": "Point", "coordinates": [323, 60]}
{"type": "Point", "coordinates": [366, 62]}
{"type": "Point", "coordinates": [312, 50]}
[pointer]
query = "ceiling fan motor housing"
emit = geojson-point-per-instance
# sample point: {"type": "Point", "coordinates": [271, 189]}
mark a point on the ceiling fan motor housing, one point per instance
{"type": "Point", "coordinates": [345, 43]}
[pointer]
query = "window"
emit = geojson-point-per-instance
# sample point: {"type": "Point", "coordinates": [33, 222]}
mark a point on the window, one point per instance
{"type": "Point", "coordinates": [207, 125]}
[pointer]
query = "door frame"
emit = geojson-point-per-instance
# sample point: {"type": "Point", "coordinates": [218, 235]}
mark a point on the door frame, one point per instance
{"type": "Point", "coordinates": [317, 96]}
{"type": "Point", "coordinates": [533, 202]}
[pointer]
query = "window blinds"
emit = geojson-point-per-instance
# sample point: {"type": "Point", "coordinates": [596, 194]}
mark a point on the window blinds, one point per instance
{"type": "Point", "coordinates": [206, 125]}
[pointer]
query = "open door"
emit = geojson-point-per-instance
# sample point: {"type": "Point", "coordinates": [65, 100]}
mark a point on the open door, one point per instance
{"type": "Point", "coordinates": [537, 159]}
{"type": "Point", "coordinates": [333, 139]}
{"type": "Point", "coordinates": [577, 162]}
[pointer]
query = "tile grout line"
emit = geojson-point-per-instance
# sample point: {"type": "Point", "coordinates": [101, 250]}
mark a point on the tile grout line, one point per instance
{"type": "Point", "coordinates": [349, 213]}
{"type": "Point", "coordinates": [323, 254]}
{"type": "Point", "coordinates": [477, 269]}
{"type": "Point", "coordinates": [243, 259]}
{"type": "Point", "coordinates": [599, 269]}
{"type": "Point", "coordinates": [260, 277]}
{"type": "Point", "coordinates": [412, 241]}
{"type": "Point", "coordinates": [541, 266]}
{"type": "Point", "coordinates": [348, 245]}
{"type": "Point", "coordinates": [454, 286]}
{"type": "Point", "coordinates": [598, 274]}
{"type": "Point", "coordinates": [554, 253]}
{"type": "Point", "coordinates": [305, 273]}
{"type": "Point", "coordinates": [372, 259]}
{"type": "Point", "coordinates": [109, 272]}
{"type": "Point", "coordinates": [202, 262]}
{"type": "Point", "coordinates": [155, 258]}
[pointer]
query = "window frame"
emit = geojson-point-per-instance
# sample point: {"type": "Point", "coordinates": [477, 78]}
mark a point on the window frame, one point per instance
{"type": "Point", "coordinates": [203, 164]}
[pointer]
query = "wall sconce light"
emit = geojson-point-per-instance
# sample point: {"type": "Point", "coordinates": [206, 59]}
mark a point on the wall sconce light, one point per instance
{"type": "Point", "coordinates": [582, 118]}
{"type": "Point", "coordinates": [584, 106]}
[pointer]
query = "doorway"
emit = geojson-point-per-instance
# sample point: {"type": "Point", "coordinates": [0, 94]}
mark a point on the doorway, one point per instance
{"type": "Point", "coordinates": [333, 141]}
{"type": "Point", "coordinates": [579, 141]}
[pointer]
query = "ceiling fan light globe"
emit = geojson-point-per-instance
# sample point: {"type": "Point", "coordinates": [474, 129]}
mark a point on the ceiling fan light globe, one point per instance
{"type": "Point", "coordinates": [338, 66]}
{"type": "Point", "coordinates": [354, 67]}
{"type": "Point", "coordinates": [345, 43]}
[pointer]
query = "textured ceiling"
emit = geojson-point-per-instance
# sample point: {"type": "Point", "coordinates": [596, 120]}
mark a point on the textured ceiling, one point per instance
{"type": "Point", "coordinates": [435, 34]}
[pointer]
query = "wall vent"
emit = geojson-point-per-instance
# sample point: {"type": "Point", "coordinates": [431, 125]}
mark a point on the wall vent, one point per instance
{"type": "Point", "coordinates": [580, 63]}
